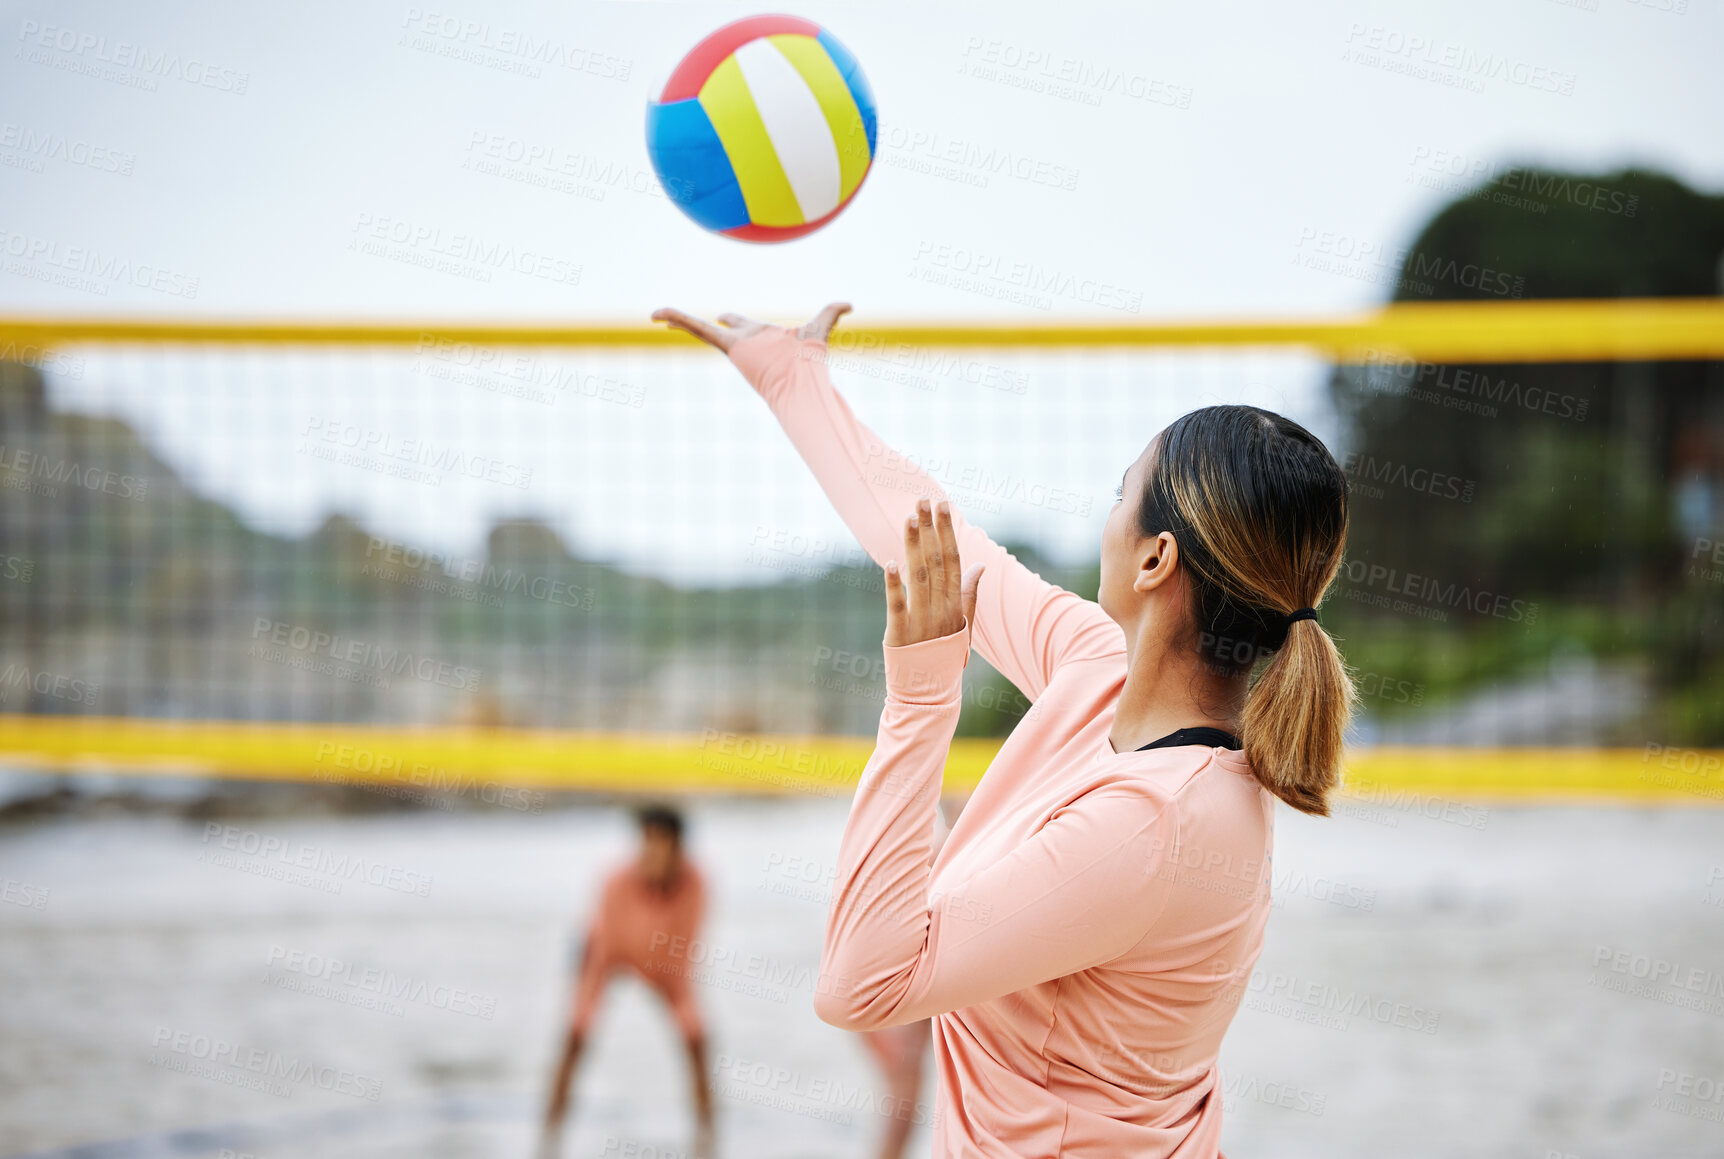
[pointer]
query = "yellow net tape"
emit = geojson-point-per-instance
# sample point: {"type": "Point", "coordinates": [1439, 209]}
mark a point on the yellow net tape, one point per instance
{"type": "Point", "coordinates": [1503, 331]}
{"type": "Point", "coordinates": [479, 763]}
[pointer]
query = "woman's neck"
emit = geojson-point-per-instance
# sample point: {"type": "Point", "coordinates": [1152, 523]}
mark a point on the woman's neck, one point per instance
{"type": "Point", "coordinates": [1166, 691]}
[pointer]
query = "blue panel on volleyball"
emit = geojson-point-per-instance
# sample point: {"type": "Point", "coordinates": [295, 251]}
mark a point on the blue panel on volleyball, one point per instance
{"type": "Point", "coordinates": [692, 165]}
{"type": "Point", "coordinates": [851, 70]}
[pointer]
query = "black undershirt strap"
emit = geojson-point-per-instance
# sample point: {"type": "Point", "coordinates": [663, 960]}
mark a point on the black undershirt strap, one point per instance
{"type": "Point", "coordinates": [1198, 736]}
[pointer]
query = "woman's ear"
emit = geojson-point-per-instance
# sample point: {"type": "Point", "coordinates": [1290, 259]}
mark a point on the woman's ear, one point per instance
{"type": "Point", "coordinates": [1157, 564]}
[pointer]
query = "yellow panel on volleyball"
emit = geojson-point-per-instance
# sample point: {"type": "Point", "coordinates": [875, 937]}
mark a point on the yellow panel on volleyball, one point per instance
{"type": "Point", "coordinates": [765, 187]}
{"type": "Point", "coordinates": [842, 116]}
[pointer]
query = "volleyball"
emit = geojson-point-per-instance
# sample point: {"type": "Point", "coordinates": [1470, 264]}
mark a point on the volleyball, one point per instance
{"type": "Point", "coordinates": [764, 131]}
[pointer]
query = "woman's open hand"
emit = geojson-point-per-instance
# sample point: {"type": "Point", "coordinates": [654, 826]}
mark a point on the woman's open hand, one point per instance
{"type": "Point", "coordinates": [735, 327]}
{"type": "Point", "coordinates": [929, 596]}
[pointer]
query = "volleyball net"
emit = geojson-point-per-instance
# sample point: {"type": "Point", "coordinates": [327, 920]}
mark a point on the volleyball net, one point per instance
{"type": "Point", "coordinates": [491, 559]}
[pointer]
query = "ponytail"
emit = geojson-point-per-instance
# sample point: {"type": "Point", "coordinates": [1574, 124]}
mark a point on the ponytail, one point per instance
{"type": "Point", "coordinates": [1295, 717]}
{"type": "Point", "coordinates": [1258, 507]}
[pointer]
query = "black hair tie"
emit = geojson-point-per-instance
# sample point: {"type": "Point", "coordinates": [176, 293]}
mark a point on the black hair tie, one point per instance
{"type": "Point", "coordinates": [1301, 614]}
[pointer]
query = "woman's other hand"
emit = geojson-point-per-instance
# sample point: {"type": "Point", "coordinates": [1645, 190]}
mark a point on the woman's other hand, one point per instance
{"type": "Point", "coordinates": [929, 596]}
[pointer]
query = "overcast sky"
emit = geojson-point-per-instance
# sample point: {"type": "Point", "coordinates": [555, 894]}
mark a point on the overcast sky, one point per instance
{"type": "Point", "coordinates": [317, 159]}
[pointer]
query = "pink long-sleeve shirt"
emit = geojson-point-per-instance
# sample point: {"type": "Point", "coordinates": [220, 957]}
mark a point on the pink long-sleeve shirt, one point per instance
{"type": "Point", "coordinates": [1083, 937]}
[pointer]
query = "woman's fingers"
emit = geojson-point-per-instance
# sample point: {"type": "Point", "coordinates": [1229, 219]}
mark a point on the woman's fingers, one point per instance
{"type": "Point", "coordinates": [934, 552]}
{"type": "Point", "coordinates": [897, 613]}
{"type": "Point", "coordinates": [916, 578]}
{"type": "Point", "coordinates": [914, 570]}
{"type": "Point", "coordinates": [949, 551]}
{"type": "Point", "coordinates": [733, 328]}
{"type": "Point", "coordinates": [741, 323]}
{"type": "Point", "coordinates": [699, 327]}
{"type": "Point", "coordinates": [821, 324]}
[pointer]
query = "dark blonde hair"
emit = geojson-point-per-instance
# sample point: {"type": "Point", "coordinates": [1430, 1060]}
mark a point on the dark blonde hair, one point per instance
{"type": "Point", "coordinates": [1258, 507]}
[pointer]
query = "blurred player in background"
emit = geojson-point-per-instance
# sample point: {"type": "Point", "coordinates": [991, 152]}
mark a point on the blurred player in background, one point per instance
{"type": "Point", "coordinates": [901, 1052]}
{"type": "Point", "coordinates": [649, 911]}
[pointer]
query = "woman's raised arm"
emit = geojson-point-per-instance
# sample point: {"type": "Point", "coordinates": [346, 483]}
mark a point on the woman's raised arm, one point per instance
{"type": "Point", "coordinates": [1025, 626]}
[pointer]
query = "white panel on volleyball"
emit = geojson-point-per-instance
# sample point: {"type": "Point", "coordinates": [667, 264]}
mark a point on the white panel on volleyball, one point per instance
{"type": "Point", "coordinates": [797, 125]}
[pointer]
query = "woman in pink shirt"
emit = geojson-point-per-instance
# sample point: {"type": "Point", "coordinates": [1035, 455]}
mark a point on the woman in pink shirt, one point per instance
{"type": "Point", "coordinates": [1084, 936]}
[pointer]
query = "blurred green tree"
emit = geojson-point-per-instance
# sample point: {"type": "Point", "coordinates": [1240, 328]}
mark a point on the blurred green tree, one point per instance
{"type": "Point", "coordinates": [1589, 488]}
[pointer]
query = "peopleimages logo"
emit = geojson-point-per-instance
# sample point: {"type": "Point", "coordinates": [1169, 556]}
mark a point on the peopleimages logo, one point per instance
{"type": "Point", "coordinates": [419, 460]}
{"type": "Point", "coordinates": [902, 471]}
{"type": "Point", "coordinates": [180, 1050]}
{"type": "Point", "coordinates": [1369, 260]}
{"type": "Point", "coordinates": [373, 232]}
{"type": "Point", "coordinates": [1707, 549]}
{"type": "Point", "coordinates": [1435, 593]}
{"type": "Point", "coordinates": [86, 268]}
{"type": "Point", "coordinates": [1450, 62]}
{"type": "Point", "coordinates": [1462, 388]}
{"type": "Point", "coordinates": [1364, 470]}
{"type": "Point", "coordinates": [400, 562]}
{"type": "Point", "coordinates": [375, 980]}
{"type": "Point", "coordinates": [265, 850]}
{"type": "Point", "coordinates": [20, 677]}
{"type": "Point", "coordinates": [97, 55]}
{"type": "Point", "coordinates": [462, 38]}
{"type": "Point", "coordinates": [17, 463]}
{"type": "Point", "coordinates": [379, 658]}
{"type": "Point", "coordinates": [1330, 1006]}
{"type": "Point", "coordinates": [980, 270]}
{"type": "Point", "coordinates": [38, 145]}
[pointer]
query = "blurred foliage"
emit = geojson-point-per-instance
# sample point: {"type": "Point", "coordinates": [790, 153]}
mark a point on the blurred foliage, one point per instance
{"type": "Point", "coordinates": [1570, 472]}
{"type": "Point", "coordinates": [992, 704]}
